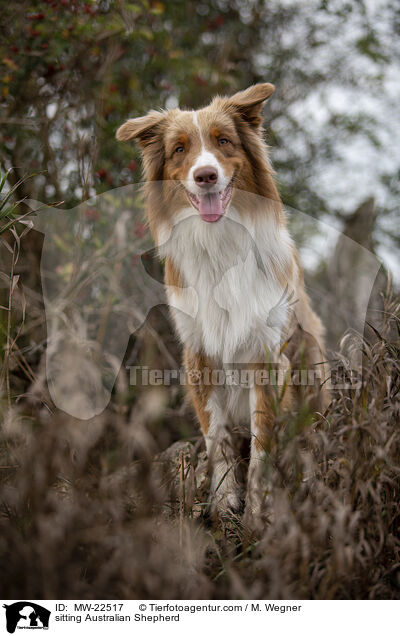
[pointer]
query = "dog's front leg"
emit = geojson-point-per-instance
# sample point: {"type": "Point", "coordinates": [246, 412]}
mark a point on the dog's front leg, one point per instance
{"type": "Point", "coordinates": [257, 476]}
{"type": "Point", "coordinates": [225, 490]}
{"type": "Point", "coordinates": [263, 414]}
{"type": "Point", "coordinates": [211, 409]}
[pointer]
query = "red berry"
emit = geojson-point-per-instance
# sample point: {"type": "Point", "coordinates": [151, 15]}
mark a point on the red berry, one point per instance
{"type": "Point", "coordinates": [212, 25]}
{"type": "Point", "coordinates": [37, 16]}
{"type": "Point", "coordinates": [135, 260]}
{"type": "Point", "coordinates": [44, 45]}
{"type": "Point", "coordinates": [200, 80]}
{"type": "Point", "coordinates": [132, 165]}
{"type": "Point", "coordinates": [140, 229]}
{"type": "Point", "coordinates": [101, 173]}
{"type": "Point", "coordinates": [15, 48]}
{"type": "Point", "coordinates": [92, 214]}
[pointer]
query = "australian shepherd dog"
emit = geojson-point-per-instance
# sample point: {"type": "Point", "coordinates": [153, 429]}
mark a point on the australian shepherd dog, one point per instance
{"type": "Point", "coordinates": [233, 279]}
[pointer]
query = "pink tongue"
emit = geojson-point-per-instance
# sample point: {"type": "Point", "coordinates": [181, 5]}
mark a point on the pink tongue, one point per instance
{"type": "Point", "coordinates": [210, 207]}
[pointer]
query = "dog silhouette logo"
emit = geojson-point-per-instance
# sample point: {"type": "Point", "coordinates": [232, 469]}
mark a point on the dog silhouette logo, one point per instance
{"type": "Point", "coordinates": [26, 615]}
{"type": "Point", "coordinates": [101, 278]}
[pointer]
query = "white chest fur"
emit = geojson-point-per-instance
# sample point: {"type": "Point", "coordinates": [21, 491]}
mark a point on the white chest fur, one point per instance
{"type": "Point", "coordinates": [231, 307]}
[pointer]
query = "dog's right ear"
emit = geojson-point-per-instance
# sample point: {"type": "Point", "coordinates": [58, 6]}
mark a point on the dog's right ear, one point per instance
{"type": "Point", "coordinates": [143, 129]}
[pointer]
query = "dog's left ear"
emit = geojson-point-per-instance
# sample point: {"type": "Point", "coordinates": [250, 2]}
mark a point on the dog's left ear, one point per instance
{"type": "Point", "coordinates": [249, 103]}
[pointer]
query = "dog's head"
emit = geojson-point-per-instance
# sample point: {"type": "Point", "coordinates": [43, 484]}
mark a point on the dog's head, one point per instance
{"type": "Point", "coordinates": [204, 156]}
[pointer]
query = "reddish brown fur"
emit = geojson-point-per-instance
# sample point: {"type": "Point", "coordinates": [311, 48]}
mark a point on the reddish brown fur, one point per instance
{"type": "Point", "coordinates": [239, 119]}
{"type": "Point", "coordinates": [244, 157]}
{"type": "Point", "coordinates": [198, 391]}
{"type": "Point", "coordinates": [173, 277]}
{"type": "Point", "coordinates": [244, 160]}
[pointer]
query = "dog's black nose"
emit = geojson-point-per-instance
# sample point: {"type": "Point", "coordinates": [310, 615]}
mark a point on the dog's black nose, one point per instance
{"type": "Point", "coordinates": [206, 175]}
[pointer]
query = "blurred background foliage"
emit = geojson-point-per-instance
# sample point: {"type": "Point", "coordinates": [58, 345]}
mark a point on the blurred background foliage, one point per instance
{"type": "Point", "coordinates": [73, 71]}
{"type": "Point", "coordinates": [70, 73]}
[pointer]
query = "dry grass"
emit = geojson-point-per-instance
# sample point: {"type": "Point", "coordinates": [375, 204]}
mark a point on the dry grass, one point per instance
{"type": "Point", "coordinates": [93, 510]}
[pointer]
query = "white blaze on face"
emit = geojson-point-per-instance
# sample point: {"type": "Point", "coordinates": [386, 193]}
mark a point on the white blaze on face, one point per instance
{"type": "Point", "coordinates": [210, 201]}
{"type": "Point", "coordinates": [205, 158]}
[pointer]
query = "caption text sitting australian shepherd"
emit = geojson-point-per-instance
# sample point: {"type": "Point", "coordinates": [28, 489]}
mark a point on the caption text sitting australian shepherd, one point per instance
{"type": "Point", "coordinates": [233, 277]}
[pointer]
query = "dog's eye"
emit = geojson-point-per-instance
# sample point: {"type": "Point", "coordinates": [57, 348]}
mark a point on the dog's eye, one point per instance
{"type": "Point", "coordinates": [222, 141]}
{"type": "Point", "coordinates": [179, 148]}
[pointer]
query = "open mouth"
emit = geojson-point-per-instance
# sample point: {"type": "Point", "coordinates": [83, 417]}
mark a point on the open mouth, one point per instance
{"type": "Point", "coordinates": [211, 205]}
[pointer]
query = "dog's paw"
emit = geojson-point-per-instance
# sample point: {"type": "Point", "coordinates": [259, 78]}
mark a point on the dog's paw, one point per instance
{"type": "Point", "coordinates": [258, 512]}
{"type": "Point", "coordinates": [225, 504]}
